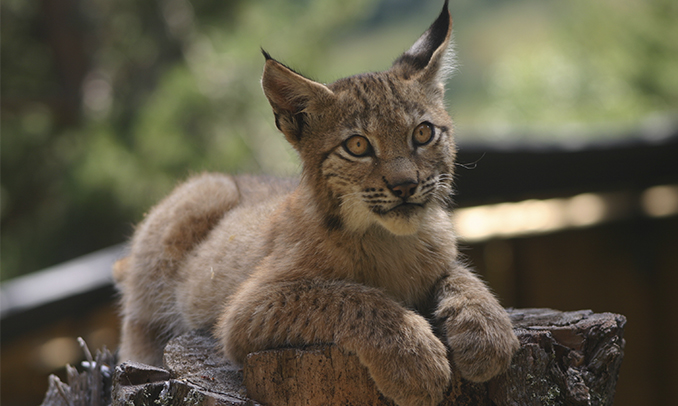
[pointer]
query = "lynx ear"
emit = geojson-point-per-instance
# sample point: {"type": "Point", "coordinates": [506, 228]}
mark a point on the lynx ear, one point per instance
{"type": "Point", "coordinates": [431, 59]}
{"type": "Point", "coordinates": [290, 95]}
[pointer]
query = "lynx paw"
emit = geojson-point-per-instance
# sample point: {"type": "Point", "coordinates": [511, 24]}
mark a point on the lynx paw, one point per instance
{"type": "Point", "coordinates": [415, 370]}
{"type": "Point", "coordinates": [482, 342]}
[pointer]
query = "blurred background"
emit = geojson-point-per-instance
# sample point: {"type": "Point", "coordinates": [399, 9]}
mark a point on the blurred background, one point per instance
{"type": "Point", "coordinates": [566, 115]}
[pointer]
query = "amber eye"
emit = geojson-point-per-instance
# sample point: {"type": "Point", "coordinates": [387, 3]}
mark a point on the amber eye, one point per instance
{"type": "Point", "coordinates": [357, 145]}
{"type": "Point", "coordinates": [423, 134]}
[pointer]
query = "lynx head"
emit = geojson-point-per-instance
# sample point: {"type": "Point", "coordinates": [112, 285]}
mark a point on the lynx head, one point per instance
{"type": "Point", "coordinates": [376, 148]}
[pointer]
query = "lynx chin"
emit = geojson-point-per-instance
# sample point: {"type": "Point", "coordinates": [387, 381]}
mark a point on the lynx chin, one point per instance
{"type": "Point", "coordinates": [359, 252]}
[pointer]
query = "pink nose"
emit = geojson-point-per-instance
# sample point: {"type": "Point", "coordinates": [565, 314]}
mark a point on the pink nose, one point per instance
{"type": "Point", "coordinates": [404, 190]}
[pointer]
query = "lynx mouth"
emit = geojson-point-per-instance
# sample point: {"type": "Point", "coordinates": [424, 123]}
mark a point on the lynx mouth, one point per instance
{"type": "Point", "coordinates": [402, 219]}
{"type": "Point", "coordinates": [403, 209]}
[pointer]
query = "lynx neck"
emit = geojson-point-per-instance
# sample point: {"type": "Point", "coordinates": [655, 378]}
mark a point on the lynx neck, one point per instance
{"type": "Point", "coordinates": [405, 267]}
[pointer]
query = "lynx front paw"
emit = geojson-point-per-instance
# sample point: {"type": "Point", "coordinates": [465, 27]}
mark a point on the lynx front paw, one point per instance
{"type": "Point", "coordinates": [482, 342]}
{"type": "Point", "coordinates": [412, 367]}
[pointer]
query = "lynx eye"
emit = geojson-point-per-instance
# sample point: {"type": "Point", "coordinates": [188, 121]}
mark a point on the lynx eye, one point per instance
{"type": "Point", "coordinates": [423, 134]}
{"type": "Point", "coordinates": [357, 145]}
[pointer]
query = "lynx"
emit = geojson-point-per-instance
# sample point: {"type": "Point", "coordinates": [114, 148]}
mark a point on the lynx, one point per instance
{"type": "Point", "coordinates": [359, 252]}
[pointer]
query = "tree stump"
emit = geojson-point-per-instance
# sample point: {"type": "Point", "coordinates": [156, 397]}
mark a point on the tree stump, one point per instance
{"type": "Point", "coordinates": [194, 374]}
{"type": "Point", "coordinates": [565, 358]}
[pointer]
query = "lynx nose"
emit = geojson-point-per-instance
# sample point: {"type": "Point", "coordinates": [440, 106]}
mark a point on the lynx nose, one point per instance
{"type": "Point", "coordinates": [404, 190]}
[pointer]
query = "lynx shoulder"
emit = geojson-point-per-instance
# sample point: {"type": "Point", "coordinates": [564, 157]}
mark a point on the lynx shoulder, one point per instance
{"type": "Point", "coordinates": [359, 252]}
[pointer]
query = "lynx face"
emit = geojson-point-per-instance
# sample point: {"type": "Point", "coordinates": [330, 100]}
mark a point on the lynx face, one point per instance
{"type": "Point", "coordinates": [390, 159]}
{"type": "Point", "coordinates": [377, 148]}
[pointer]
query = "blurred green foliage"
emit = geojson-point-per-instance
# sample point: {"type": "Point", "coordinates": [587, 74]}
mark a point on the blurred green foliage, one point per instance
{"type": "Point", "coordinates": [596, 68]}
{"type": "Point", "coordinates": [106, 104]}
{"type": "Point", "coordinates": [166, 88]}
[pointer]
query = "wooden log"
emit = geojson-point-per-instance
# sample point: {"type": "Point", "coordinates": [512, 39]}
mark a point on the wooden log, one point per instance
{"type": "Point", "coordinates": [319, 375]}
{"type": "Point", "coordinates": [194, 374]}
{"type": "Point", "coordinates": [566, 358]}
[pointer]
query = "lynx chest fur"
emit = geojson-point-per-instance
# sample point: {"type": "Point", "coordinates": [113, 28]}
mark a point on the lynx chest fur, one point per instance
{"type": "Point", "coordinates": [359, 252]}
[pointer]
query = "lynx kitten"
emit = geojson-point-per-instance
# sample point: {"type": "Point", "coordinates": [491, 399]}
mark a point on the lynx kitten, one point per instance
{"type": "Point", "coordinates": [360, 252]}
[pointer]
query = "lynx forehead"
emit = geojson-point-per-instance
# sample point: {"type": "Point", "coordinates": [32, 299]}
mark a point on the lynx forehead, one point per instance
{"type": "Point", "coordinates": [359, 252]}
{"type": "Point", "coordinates": [374, 100]}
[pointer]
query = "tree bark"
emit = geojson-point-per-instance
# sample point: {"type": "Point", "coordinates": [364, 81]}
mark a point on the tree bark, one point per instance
{"type": "Point", "coordinates": [194, 374]}
{"type": "Point", "coordinates": [565, 358]}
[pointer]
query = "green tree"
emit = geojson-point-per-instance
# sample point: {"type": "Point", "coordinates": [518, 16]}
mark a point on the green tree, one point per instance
{"type": "Point", "coordinates": [107, 104]}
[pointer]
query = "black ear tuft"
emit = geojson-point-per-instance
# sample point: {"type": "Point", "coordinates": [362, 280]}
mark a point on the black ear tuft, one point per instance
{"type": "Point", "coordinates": [266, 54]}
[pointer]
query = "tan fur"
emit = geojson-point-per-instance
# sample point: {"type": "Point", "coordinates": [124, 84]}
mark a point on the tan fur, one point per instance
{"type": "Point", "coordinates": [341, 256]}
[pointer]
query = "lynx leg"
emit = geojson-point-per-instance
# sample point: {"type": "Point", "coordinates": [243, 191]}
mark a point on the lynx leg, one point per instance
{"type": "Point", "coordinates": [407, 362]}
{"type": "Point", "coordinates": [147, 277]}
{"type": "Point", "coordinates": [201, 203]}
{"type": "Point", "coordinates": [478, 329]}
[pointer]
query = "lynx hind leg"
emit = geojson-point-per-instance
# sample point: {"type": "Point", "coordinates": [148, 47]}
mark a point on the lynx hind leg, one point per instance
{"type": "Point", "coordinates": [406, 361]}
{"type": "Point", "coordinates": [147, 276]}
{"type": "Point", "coordinates": [198, 206]}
